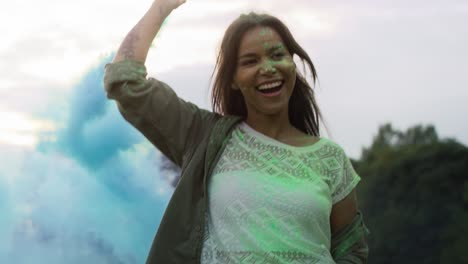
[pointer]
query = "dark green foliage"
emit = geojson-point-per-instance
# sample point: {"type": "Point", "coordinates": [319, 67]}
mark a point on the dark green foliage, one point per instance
{"type": "Point", "coordinates": [414, 196]}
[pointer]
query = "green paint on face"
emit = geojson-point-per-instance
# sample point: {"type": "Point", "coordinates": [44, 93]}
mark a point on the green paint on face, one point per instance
{"type": "Point", "coordinates": [266, 31]}
{"type": "Point", "coordinates": [273, 47]}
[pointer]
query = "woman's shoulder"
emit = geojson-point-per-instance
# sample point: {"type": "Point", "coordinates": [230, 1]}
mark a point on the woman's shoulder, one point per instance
{"type": "Point", "coordinates": [330, 142]}
{"type": "Point", "coordinates": [332, 147]}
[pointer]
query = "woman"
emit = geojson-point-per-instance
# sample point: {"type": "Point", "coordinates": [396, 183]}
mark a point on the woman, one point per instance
{"type": "Point", "coordinates": [258, 184]}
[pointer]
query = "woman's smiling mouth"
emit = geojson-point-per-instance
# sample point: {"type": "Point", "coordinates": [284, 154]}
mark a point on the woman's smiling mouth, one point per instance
{"type": "Point", "coordinates": [271, 88]}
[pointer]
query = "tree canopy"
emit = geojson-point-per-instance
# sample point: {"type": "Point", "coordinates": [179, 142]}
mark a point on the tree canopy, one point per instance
{"type": "Point", "coordinates": [414, 195]}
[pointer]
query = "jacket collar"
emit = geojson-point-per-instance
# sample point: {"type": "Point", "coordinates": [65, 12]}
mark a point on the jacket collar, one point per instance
{"type": "Point", "coordinates": [218, 138]}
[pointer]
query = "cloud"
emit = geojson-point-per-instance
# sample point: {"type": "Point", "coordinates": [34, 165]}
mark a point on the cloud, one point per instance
{"type": "Point", "coordinates": [62, 213]}
{"type": "Point", "coordinates": [94, 130]}
{"type": "Point", "coordinates": [91, 192]}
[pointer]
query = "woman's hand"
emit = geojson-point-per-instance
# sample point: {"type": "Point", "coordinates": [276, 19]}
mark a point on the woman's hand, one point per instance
{"type": "Point", "coordinates": [169, 5]}
{"type": "Point", "coordinates": [137, 42]}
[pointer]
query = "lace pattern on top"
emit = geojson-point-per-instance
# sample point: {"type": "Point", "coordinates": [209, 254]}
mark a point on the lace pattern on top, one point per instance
{"type": "Point", "coordinates": [269, 202]}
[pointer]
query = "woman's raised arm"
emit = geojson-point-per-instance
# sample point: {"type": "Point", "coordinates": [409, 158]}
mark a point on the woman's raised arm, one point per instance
{"type": "Point", "coordinates": [173, 125]}
{"type": "Point", "coordinates": [138, 41]}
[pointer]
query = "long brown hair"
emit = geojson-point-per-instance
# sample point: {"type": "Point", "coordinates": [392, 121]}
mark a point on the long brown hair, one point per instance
{"type": "Point", "coordinates": [304, 113]}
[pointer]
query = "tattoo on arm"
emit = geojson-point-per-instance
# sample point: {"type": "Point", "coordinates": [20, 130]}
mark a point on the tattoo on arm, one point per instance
{"type": "Point", "coordinates": [129, 45]}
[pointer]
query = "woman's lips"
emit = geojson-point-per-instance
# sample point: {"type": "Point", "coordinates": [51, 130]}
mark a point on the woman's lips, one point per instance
{"type": "Point", "coordinates": [273, 94]}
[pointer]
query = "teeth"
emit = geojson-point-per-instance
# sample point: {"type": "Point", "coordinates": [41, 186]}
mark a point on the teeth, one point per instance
{"type": "Point", "coordinates": [269, 85]}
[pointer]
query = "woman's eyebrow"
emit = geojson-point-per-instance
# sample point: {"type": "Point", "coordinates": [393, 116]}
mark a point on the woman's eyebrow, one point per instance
{"type": "Point", "coordinates": [274, 47]}
{"type": "Point", "coordinates": [247, 55]}
{"type": "Point", "coordinates": [269, 49]}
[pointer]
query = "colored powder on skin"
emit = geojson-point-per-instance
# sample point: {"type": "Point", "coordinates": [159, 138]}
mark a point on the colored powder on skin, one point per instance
{"type": "Point", "coordinates": [157, 35]}
{"type": "Point", "coordinates": [266, 31]}
{"type": "Point", "coordinates": [268, 46]}
{"type": "Point", "coordinates": [271, 62]}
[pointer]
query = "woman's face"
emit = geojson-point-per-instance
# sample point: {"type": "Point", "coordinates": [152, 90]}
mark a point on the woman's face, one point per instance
{"type": "Point", "coordinates": [265, 72]}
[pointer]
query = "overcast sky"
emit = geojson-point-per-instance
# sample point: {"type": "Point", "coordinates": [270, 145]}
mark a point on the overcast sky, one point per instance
{"type": "Point", "coordinates": [73, 172]}
{"type": "Point", "coordinates": [403, 62]}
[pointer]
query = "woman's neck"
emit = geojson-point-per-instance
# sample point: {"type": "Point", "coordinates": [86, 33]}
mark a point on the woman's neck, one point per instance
{"type": "Point", "coordinates": [277, 127]}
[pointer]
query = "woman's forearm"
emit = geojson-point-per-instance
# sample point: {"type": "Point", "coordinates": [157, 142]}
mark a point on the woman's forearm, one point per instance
{"type": "Point", "coordinates": [138, 41]}
{"type": "Point", "coordinates": [349, 245]}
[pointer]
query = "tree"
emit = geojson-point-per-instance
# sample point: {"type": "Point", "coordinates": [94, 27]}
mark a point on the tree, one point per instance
{"type": "Point", "coordinates": [414, 194]}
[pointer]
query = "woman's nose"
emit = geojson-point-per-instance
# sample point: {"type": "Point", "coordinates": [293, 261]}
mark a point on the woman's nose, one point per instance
{"type": "Point", "coordinates": [267, 67]}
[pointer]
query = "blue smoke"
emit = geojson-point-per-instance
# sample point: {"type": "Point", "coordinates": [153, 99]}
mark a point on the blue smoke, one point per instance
{"type": "Point", "coordinates": [94, 195]}
{"type": "Point", "coordinates": [94, 131]}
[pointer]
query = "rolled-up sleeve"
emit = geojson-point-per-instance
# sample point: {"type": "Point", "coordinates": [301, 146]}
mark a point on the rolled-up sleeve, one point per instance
{"type": "Point", "coordinates": [170, 123]}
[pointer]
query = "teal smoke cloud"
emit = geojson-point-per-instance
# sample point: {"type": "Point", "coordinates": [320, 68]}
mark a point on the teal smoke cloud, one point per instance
{"type": "Point", "coordinates": [94, 131]}
{"type": "Point", "coordinates": [96, 194]}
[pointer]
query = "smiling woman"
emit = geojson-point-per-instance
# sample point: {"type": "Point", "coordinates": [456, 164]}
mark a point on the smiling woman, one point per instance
{"type": "Point", "coordinates": [258, 182]}
{"type": "Point", "coordinates": [262, 47]}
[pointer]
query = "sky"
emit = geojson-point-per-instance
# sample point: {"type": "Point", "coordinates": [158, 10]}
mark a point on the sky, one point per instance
{"type": "Point", "coordinates": [77, 183]}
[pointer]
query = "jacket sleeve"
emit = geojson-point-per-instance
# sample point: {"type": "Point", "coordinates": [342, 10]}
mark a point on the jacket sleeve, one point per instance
{"type": "Point", "coordinates": [170, 123]}
{"type": "Point", "coordinates": [349, 245]}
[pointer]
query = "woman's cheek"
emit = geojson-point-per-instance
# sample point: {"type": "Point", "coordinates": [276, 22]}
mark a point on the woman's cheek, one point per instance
{"type": "Point", "coordinates": [287, 65]}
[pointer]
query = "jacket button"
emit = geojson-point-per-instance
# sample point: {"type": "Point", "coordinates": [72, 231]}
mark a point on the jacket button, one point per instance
{"type": "Point", "coordinates": [198, 228]}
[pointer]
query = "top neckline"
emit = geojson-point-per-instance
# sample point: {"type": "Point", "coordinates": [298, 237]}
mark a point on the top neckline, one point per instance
{"type": "Point", "coordinates": [276, 142]}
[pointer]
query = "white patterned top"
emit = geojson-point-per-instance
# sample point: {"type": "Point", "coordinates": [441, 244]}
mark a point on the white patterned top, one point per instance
{"type": "Point", "coordinates": [269, 202]}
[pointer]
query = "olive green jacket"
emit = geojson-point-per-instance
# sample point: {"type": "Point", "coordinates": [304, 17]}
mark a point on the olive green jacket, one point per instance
{"type": "Point", "coordinates": [192, 138]}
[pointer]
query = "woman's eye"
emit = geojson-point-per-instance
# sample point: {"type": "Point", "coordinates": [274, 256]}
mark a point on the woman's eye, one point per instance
{"type": "Point", "coordinates": [247, 62]}
{"type": "Point", "coordinates": [278, 55]}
